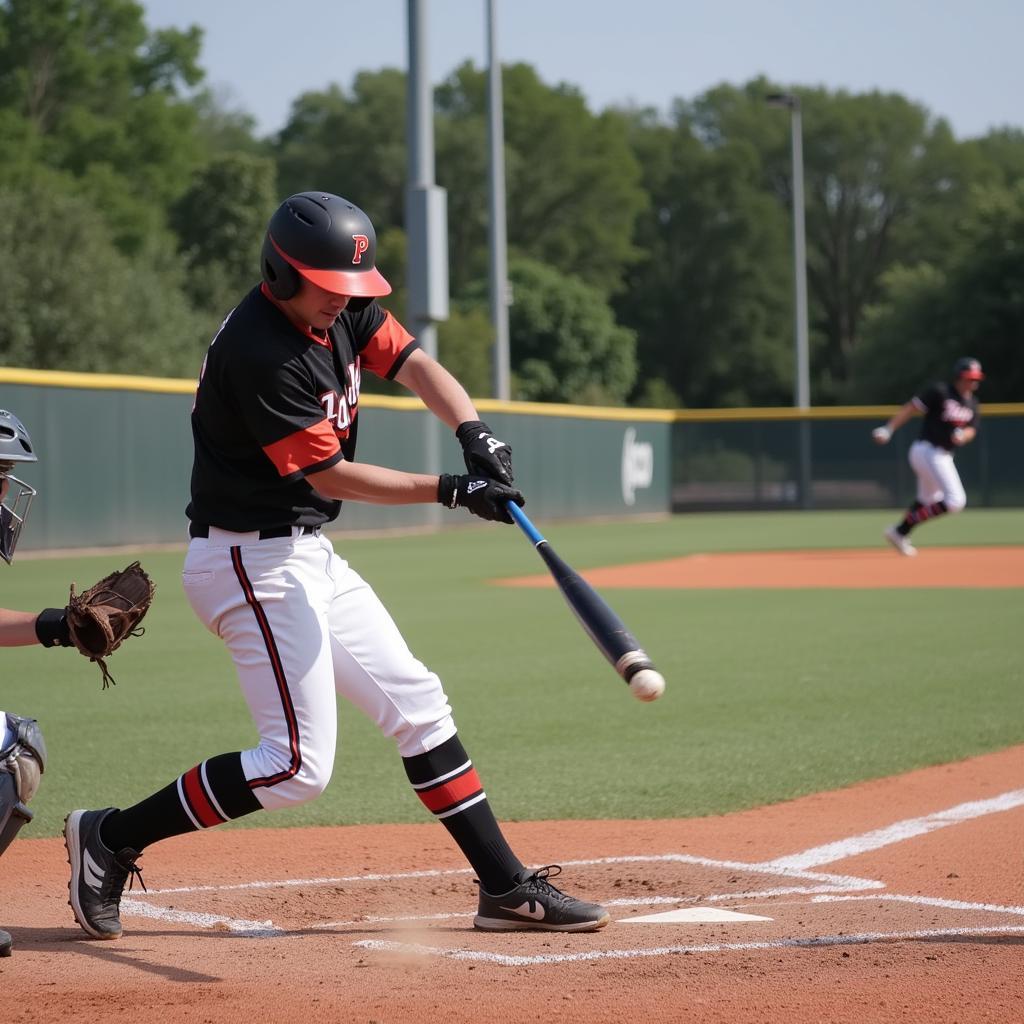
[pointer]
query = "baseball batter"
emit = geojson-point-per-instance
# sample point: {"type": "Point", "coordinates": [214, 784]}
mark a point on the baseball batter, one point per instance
{"type": "Point", "coordinates": [951, 417]}
{"type": "Point", "coordinates": [22, 749]}
{"type": "Point", "coordinates": [274, 427]}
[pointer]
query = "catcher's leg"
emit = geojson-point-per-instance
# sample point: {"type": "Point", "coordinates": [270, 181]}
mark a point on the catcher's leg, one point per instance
{"type": "Point", "coordinates": [22, 762]}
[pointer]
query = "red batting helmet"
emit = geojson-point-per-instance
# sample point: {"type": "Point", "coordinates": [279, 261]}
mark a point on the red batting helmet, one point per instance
{"type": "Point", "coordinates": [969, 368]}
{"type": "Point", "coordinates": [326, 240]}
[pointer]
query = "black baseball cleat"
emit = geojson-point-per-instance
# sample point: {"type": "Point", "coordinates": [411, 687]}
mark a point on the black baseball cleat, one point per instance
{"type": "Point", "coordinates": [536, 905]}
{"type": "Point", "coordinates": [97, 874]}
{"type": "Point", "coordinates": [6, 945]}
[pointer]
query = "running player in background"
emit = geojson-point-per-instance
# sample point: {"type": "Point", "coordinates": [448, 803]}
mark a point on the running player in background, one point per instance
{"type": "Point", "coordinates": [951, 416]}
{"type": "Point", "coordinates": [22, 750]}
{"type": "Point", "coordinates": [274, 428]}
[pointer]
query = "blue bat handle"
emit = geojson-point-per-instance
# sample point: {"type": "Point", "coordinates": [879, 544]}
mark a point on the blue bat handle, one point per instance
{"type": "Point", "coordinates": [523, 522]}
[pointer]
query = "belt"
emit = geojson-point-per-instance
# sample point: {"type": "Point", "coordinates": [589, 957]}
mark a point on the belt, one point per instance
{"type": "Point", "coordinates": [203, 530]}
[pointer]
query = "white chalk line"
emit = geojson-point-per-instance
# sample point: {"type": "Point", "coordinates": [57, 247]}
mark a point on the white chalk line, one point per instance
{"type": "Point", "coordinates": [244, 929]}
{"type": "Point", "coordinates": [649, 901]}
{"type": "Point", "coordinates": [925, 901]}
{"type": "Point", "coordinates": [846, 882]}
{"type": "Point", "coordinates": [793, 866]}
{"type": "Point", "coordinates": [504, 960]}
{"type": "Point", "coordinates": [897, 832]}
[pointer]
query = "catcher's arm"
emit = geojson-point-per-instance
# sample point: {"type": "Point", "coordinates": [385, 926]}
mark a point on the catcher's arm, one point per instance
{"type": "Point", "coordinates": [18, 629]}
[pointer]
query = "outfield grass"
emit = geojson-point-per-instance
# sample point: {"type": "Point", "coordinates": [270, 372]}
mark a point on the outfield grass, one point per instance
{"type": "Point", "coordinates": [771, 693]}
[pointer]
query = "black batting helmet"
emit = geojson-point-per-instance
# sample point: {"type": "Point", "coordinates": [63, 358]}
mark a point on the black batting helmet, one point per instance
{"type": "Point", "coordinates": [325, 239]}
{"type": "Point", "coordinates": [969, 368]}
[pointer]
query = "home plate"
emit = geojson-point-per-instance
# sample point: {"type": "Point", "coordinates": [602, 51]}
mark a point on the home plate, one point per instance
{"type": "Point", "coordinates": [691, 915]}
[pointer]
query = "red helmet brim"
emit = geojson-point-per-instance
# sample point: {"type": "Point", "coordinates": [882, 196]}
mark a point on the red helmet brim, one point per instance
{"type": "Point", "coordinates": [358, 284]}
{"type": "Point", "coordinates": [361, 284]}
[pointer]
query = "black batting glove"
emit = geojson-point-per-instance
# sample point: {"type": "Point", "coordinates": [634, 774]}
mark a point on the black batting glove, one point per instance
{"type": "Point", "coordinates": [484, 453]}
{"type": "Point", "coordinates": [483, 497]}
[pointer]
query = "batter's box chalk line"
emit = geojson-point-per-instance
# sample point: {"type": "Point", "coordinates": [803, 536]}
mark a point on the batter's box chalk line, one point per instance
{"type": "Point", "coordinates": [827, 887]}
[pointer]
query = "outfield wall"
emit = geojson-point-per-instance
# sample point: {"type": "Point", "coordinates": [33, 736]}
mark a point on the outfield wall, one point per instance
{"type": "Point", "coordinates": [825, 458]}
{"type": "Point", "coordinates": [116, 454]}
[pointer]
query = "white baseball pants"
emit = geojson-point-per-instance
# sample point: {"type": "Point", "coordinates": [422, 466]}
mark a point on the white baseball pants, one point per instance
{"type": "Point", "coordinates": [301, 626]}
{"type": "Point", "coordinates": [937, 478]}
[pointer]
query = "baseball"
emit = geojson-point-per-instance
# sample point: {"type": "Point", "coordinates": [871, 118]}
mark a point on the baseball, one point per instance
{"type": "Point", "coordinates": [647, 684]}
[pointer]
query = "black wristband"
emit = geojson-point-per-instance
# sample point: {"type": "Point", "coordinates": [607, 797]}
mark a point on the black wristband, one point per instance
{"type": "Point", "coordinates": [470, 427]}
{"type": "Point", "coordinates": [446, 487]}
{"type": "Point", "coordinates": [52, 628]}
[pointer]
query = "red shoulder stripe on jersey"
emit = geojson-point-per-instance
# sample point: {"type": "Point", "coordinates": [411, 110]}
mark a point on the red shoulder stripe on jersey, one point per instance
{"type": "Point", "coordinates": [303, 449]}
{"type": "Point", "coordinates": [385, 346]}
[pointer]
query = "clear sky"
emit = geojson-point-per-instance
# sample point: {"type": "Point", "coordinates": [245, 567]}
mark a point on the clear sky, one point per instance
{"type": "Point", "coordinates": [959, 58]}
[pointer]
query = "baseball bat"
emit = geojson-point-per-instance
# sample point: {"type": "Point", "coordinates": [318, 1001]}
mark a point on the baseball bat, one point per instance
{"type": "Point", "coordinates": [601, 624]}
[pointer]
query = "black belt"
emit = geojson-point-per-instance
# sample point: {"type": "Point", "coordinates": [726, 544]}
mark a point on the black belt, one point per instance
{"type": "Point", "coordinates": [203, 530]}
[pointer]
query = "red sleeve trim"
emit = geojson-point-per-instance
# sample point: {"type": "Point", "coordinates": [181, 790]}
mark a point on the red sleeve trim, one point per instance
{"type": "Point", "coordinates": [303, 449]}
{"type": "Point", "coordinates": [385, 346]}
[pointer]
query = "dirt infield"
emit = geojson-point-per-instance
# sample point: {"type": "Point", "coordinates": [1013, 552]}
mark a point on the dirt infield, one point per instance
{"type": "Point", "coordinates": [844, 568]}
{"type": "Point", "coordinates": [898, 899]}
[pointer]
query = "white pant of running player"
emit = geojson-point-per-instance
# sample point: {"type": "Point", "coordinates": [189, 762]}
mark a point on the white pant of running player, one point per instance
{"type": "Point", "coordinates": [937, 478]}
{"type": "Point", "coordinates": [301, 626]}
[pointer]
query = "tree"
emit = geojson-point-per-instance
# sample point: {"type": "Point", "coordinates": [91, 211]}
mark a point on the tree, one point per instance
{"type": "Point", "coordinates": [565, 343]}
{"type": "Point", "coordinates": [573, 185]}
{"type": "Point", "coordinates": [220, 222]}
{"type": "Point", "coordinates": [72, 301]}
{"type": "Point", "coordinates": [972, 305]}
{"type": "Point", "coordinates": [709, 301]}
{"type": "Point", "coordinates": [90, 79]}
{"type": "Point", "coordinates": [351, 144]}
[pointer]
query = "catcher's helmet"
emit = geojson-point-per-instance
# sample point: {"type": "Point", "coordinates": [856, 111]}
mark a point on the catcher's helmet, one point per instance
{"type": "Point", "coordinates": [325, 239]}
{"type": "Point", "coordinates": [15, 495]}
{"type": "Point", "coordinates": [969, 368]}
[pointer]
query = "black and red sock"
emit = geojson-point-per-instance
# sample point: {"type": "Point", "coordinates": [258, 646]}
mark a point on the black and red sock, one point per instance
{"type": "Point", "coordinates": [918, 513]}
{"type": "Point", "coordinates": [446, 781]}
{"type": "Point", "coordinates": [209, 794]}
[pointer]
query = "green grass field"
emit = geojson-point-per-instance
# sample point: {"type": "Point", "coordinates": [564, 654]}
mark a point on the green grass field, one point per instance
{"type": "Point", "coordinates": [771, 693]}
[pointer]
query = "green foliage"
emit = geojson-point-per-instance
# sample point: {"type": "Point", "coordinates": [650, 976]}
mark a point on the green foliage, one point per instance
{"type": "Point", "coordinates": [464, 343]}
{"type": "Point", "coordinates": [72, 301]}
{"type": "Point", "coordinates": [565, 344]}
{"type": "Point", "coordinates": [220, 221]}
{"type": "Point", "coordinates": [100, 89]}
{"type": "Point", "coordinates": [972, 305]}
{"type": "Point", "coordinates": [709, 300]}
{"type": "Point", "coordinates": [352, 144]}
{"type": "Point", "coordinates": [682, 220]}
{"type": "Point", "coordinates": [573, 185]}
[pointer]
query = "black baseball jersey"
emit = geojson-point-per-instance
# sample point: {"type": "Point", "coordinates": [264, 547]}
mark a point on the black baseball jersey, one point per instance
{"type": "Point", "coordinates": [944, 410]}
{"type": "Point", "coordinates": [274, 403]}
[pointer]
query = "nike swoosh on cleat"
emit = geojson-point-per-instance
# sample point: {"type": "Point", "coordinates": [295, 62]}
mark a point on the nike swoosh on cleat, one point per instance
{"type": "Point", "coordinates": [524, 911]}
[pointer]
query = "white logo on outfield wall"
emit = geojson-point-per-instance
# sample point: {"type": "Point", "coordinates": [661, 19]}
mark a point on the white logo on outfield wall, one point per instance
{"type": "Point", "coordinates": [637, 466]}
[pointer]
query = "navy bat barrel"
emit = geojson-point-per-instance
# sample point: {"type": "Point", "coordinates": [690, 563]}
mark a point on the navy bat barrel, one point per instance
{"type": "Point", "coordinates": [602, 625]}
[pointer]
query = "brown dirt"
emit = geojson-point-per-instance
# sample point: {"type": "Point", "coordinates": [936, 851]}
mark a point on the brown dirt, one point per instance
{"type": "Point", "coordinates": [950, 949]}
{"type": "Point", "coordinates": [845, 568]}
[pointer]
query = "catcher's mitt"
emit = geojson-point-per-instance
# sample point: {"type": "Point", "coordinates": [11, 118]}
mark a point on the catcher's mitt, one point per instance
{"type": "Point", "coordinates": [100, 618]}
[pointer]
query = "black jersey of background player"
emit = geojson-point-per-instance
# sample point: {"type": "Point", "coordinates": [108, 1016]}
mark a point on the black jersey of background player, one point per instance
{"type": "Point", "coordinates": [944, 410]}
{"type": "Point", "coordinates": [275, 402]}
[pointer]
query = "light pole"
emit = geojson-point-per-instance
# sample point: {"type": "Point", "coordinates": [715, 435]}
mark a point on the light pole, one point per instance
{"type": "Point", "coordinates": [802, 382]}
{"type": "Point", "coordinates": [496, 222]}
